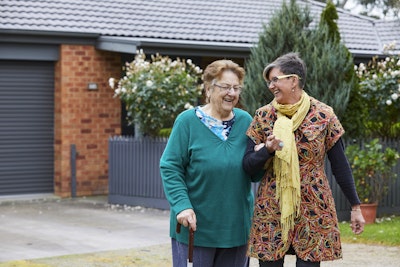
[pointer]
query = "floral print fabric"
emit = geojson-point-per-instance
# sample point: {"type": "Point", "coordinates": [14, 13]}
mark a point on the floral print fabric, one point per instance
{"type": "Point", "coordinates": [219, 128]}
{"type": "Point", "coordinates": [315, 236]}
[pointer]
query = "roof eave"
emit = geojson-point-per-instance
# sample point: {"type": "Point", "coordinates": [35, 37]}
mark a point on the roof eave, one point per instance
{"type": "Point", "coordinates": [174, 47]}
{"type": "Point", "coordinates": [47, 37]}
{"type": "Point", "coordinates": [365, 54]}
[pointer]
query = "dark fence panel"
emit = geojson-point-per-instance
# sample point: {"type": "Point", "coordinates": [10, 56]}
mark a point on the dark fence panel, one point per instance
{"type": "Point", "coordinates": [134, 177]}
{"type": "Point", "coordinates": [387, 206]}
{"type": "Point", "coordinates": [134, 174]}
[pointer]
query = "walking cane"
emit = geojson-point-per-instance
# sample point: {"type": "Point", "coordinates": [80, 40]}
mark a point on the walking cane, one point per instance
{"type": "Point", "coordinates": [191, 244]}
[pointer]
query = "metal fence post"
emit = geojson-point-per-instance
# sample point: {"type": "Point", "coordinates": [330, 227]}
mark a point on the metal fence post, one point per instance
{"type": "Point", "coordinates": [73, 170]}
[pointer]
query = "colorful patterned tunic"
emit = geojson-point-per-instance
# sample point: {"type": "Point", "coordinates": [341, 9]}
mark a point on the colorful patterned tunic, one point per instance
{"type": "Point", "coordinates": [315, 236]}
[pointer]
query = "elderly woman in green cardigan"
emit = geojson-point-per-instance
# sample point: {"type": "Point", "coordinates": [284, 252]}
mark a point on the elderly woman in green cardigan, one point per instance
{"type": "Point", "coordinates": [204, 182]}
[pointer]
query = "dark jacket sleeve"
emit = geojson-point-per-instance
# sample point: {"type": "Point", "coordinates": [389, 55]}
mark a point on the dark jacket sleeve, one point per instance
{"type": "Point", "coordinates": [342, 172]}
{"type": "Point", "coordinates": [254, 161]}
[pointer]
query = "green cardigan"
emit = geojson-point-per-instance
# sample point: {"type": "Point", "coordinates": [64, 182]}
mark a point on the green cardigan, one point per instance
{"type": "Point", "coordinates": [203, 172]}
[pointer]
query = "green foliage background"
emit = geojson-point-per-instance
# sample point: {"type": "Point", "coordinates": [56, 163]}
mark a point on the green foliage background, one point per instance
{"type": "Point", "coordinates": [330, 76]}
{"type": "Point", "coordinates": [155, 92]}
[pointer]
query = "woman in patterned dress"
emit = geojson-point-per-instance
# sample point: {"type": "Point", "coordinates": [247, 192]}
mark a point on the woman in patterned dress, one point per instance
{"type": "Point", "coordinates": [294, 210]}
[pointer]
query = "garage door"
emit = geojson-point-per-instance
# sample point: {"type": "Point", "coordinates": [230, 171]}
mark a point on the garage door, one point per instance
{"type": "Point", "coordinates": [26, 127]}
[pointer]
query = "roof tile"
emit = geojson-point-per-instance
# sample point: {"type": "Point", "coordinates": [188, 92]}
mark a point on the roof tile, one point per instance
{"type": "Point", "coordinates": [232, 21]}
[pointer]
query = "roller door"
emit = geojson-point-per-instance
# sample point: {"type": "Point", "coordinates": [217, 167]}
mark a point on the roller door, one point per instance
{"type": "Point", "coordinates": [26, 127]}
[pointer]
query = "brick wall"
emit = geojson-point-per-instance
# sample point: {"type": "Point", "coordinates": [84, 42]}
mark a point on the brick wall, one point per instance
{"type": "Point", "coordinates": [84, 118]}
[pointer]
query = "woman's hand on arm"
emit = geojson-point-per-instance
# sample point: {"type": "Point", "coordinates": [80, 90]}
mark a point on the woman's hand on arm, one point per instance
{"type": "Point", "coordinates": [273, 144]}
{"type": "Point", "coordinates": [255, 157]}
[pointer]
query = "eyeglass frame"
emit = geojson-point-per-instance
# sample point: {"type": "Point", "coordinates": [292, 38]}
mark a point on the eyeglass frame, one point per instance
{"type": "Point", "coordinates": [227, 89]}
{"type": "Point", "coordinates": [277, 78]}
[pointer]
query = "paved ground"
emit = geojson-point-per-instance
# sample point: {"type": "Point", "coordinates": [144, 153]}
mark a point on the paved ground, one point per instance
{"type": "Point", "coordinates": [45, 231]}
{"type": "Point", "coordinates": [46, 227]}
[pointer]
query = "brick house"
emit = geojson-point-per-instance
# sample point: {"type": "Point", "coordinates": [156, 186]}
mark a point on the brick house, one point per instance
{"type": "Point", "coordinates": [56, 57]}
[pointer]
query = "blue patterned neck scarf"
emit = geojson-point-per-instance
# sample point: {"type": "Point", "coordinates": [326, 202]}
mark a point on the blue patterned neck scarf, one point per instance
{"type": "Point", "coordinates": [218, 127]}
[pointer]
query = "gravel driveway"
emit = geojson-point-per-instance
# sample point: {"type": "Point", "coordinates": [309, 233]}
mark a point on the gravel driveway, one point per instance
{"type": "Point", "coordinates": [355, 255]}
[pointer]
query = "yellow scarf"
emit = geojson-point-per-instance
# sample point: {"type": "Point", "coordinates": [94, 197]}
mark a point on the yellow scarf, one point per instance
{"type": "Point", "coordinates": [286, 161]}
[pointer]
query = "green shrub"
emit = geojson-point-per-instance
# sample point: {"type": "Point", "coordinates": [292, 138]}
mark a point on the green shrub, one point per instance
{"type": "Point", "coordinates": [372, 169]}
{"type": "Point", "coordinates": [155, 92]}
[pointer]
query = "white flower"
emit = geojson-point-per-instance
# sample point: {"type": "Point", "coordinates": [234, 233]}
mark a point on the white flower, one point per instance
{"type": "Point", "coordinates": [161, 74]}
{"type": "Point", "coordinates": [374, 76]}
{"type": "Point", "coordinates": [394, 96]}
{"type": "Point", "coordinates": [111, 82]}
{"type": "Point", "coordinates": [188, 106]}
{"type": "Point", "coordinates": [388, 102]}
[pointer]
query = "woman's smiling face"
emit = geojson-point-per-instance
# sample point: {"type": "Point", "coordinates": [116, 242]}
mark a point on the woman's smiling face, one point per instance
{"type": "Point", "coordinates": [283, 86]}
{"type": "Point", "coordinates": [225, 100]}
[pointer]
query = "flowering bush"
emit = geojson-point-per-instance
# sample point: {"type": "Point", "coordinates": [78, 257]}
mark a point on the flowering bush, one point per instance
{"type": "Point", "coordinates": [372, 169]}
{"type": "Point", "coordinates": [156, 92]}
{"type": "Point", "coordinates": [380, 91]}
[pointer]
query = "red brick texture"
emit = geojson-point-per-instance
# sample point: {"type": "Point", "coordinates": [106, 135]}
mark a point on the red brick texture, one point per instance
{"type": "Point", "coordinates": [86, 118]}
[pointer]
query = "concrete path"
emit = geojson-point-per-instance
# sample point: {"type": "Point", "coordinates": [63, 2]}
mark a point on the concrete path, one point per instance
{"type": "Point", "coordinates": [46, 226]}
{"type": "Point", "coordinates": [39, 227]}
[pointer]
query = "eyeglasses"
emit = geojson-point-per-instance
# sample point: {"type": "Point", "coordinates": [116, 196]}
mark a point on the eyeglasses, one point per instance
{"type": "Point", "coordinates": [227, 87]}
{"type": "Point", "coordinates": [277, 78]}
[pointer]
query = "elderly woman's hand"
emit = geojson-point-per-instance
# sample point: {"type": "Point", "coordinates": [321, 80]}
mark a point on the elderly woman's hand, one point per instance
{"type": "Point", "coordinates": [187, 218]}
{"type": "Point", "coordinates": [357, 221]}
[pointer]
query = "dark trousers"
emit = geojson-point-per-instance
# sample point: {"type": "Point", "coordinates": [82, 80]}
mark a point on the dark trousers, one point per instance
{"type": "Point", "coordinates": [209, 257]}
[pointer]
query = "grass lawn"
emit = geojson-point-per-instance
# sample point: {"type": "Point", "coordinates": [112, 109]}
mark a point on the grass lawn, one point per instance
{"type": "Point", "coordinates": [385, 231]}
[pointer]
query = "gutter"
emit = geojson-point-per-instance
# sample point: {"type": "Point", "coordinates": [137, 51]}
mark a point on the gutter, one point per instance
{"type": "Point", "coordinates": [47, 37]}
{"type": "Point", "coordinates": [129, 45]}
{"type": "Point", "coordinates": [173, 47]}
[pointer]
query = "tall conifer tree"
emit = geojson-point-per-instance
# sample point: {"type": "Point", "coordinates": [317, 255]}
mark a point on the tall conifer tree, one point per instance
{"type": "Point", "coordinates": [330, 74]}
{"type": "Point", "coordinates": [286, 30]}
{"type": "Point", "coordinates": [344, 95]}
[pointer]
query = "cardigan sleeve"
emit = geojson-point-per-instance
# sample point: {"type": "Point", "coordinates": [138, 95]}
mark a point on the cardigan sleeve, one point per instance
{"type": "Point", "coordinates": [172, 167]}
